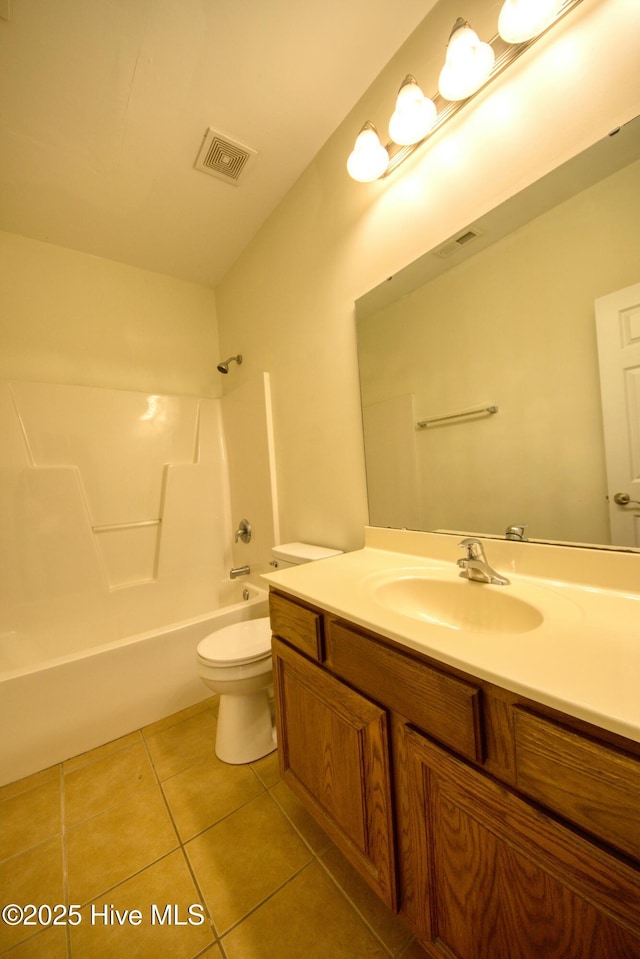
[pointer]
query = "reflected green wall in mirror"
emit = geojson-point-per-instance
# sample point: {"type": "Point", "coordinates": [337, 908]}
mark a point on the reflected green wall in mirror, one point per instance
{"type": "Point", "coordinates": [508, 319]}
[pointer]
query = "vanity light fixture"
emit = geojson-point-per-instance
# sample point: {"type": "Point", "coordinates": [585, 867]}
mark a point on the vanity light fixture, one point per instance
{"type": "Point", "coordinates": [522, 20]}
{"type": "Point", "coordinates": [369, 158]}
{"type": "Point", "coordinates": [470, 65]}
{"type": "Point", "coordinates": [413, 116]}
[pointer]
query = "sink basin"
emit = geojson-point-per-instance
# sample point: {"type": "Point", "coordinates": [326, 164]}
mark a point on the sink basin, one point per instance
{"type": "Point", "coordinates": [457, 604]}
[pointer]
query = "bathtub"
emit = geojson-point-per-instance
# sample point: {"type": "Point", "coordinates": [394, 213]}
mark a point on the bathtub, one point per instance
{"type": "Point", "coordinates": [58, 708]}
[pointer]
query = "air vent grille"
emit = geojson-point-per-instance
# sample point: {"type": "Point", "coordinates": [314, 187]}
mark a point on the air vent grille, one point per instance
{"type": "Point", "coordinates": [222, 157]}
{"type": "Point", "coordinates": [455, 244]}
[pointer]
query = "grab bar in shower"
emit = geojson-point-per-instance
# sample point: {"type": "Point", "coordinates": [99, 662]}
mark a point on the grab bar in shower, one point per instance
{"type": "Point", "coordinates": [474, 411]}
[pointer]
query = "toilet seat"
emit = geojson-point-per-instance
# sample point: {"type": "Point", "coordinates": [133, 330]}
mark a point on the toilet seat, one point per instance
{"type": "Point", "coordinates": [238, 644]}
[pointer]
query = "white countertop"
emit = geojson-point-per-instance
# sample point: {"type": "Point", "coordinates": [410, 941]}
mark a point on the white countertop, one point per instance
{"type": "Point", "coordinates": [583, 658]}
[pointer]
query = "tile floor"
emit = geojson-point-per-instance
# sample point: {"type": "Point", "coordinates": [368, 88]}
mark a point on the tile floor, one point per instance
{"type": "Point", "coordinates": [154, 819]}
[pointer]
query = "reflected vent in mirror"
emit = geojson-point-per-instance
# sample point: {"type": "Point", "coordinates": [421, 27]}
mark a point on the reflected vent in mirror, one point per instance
{"type": "Point", "coordinates": [455, 244]}
{"type": "Point", "coordinates": [222, 157]}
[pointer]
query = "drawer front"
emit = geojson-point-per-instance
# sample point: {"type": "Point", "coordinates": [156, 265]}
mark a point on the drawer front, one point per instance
{"type": "Point", "coordinates": [443, 706]}
{"type": "Point", "coordinates": [297, 625]}
{"type": "Point", "coordinates": [593, 785]}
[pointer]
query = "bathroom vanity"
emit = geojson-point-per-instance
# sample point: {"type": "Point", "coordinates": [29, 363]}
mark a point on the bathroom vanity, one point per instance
{"type": "Point", "coordinates": [468, 769]}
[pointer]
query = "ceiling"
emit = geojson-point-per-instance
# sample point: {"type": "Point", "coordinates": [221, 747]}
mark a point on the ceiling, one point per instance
{"type": "Point", "coordinates": [105, 104]}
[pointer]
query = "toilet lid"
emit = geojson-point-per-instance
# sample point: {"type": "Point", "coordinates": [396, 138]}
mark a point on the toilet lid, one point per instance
{"type": "Point", "coordinates": [243, 642]}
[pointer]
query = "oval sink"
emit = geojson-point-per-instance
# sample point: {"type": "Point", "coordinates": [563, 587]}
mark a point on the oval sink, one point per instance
{"type": "Point", "coordinates": [458, 604]}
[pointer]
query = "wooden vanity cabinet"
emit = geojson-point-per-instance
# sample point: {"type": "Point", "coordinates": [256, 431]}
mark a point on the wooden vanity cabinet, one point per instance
{"type": "Point", "coordinates": [497, 878]}
{"type": "Point", "coordinates": [334, 752]}
{"type": "Point", "coordinates": [497, 828]}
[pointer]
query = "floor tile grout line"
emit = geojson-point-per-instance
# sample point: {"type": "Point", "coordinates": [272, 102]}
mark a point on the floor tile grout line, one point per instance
{"type": "Point", "coordinates": [286, 882]}
{"type": "Point", "coordinates": [267, 898]}
{"type": "Point", "coordinates": [65, 861]}
{"type": "Point", "coordinates": [221, 947]}
{"type": "Point", "coordinates": [147, 735]}
{"type": "Point", "coordinates": [23, 852]}
{"type": "Point", "coordinates": [21, 942]}
{"type": "Point", "coordinates": [217, 822]}
{"type": "Point", "coordinates": [180, 842]}
{"type": "Point", "coordinates": [317, 855]}
{"type": "Point", "coordinates": [256, 775]}
{"type": "Point", "coordinates": [212, 924]}
{"type": "Point", "coordinates": [121, 802]}
{"type": "Point", "coordinates": [96, 759]}
{"type": "Point", "coordinates": [176, 772]}
{"type": "Point", "coordinates": [46, 839]}
{"type": "Point", "coordinates": [150, 758]}
{"type": "Point", "coordinates": [291, 822]}
{"type": "Point", "coordinates": [314, 857]}
{"type": "Point", "coordinates": [204, 952]}
{"type": "Point", "coordinates": [145, 730]}
{"type": "Point", "coordinates": [128, 796]}
{"type": "Point", "coordinates": [121, 882]}
{"type": "Point", "coordinates": [28, 789]}
{"type": "Point", "coordinates": [354, 907]}
{"type": "Point", "coordinates": [181, 847]}
{"type": "Point", "coordinates": [218, 937]}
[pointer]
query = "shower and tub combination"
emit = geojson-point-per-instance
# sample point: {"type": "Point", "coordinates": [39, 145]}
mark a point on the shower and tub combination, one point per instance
{"type": "Point", "coordinates": [115, 549]}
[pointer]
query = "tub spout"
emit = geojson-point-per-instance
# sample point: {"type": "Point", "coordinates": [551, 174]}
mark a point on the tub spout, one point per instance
{"type": "Point", "coordinates": [239, 571]}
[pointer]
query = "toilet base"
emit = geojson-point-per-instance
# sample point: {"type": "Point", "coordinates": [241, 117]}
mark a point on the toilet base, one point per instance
{"type": "Point", "coordinates": [245, 730]}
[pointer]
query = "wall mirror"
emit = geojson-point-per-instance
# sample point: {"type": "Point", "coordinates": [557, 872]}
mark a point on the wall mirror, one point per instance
{"type": "Point", "coordinates": [500, 320]}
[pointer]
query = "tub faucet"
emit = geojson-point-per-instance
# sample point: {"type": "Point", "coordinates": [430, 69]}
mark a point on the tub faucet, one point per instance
{"type": "Point", "coordinates": [239, 571]}
{"type": "Point", "coordinates": [475, 566]}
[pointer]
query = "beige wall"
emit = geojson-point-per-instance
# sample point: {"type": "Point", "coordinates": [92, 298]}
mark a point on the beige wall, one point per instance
{"type": "Point", "coordinates": [72, 318]}
{"type": "Point", "coordinates": [513, 326]}
{"type": "Point", "coordinates": [288, 303]}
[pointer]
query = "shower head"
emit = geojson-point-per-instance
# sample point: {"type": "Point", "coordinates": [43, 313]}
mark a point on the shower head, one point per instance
{"type": "Point", "coordinates": [224, 367]}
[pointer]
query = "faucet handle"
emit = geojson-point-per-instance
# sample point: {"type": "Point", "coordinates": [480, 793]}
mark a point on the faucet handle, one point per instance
{"type": "Point", "coordinates": [244, 531]}
{"type": "Point", "coordinates": [473, 547]}
{"type": "Point", "coordinates": [516, 532]}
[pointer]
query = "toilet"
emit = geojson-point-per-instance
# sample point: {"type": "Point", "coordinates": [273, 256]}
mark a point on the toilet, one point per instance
{"type": "Point", "coordinates": [235, 662]}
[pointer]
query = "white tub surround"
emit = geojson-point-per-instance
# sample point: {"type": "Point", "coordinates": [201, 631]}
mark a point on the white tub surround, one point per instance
{"type": "Point", "coordinates": [117, 510]}
{"type": "Point", "coordinates": [114, 515]}
{"type": "Point", "coordinates": [581, 655]}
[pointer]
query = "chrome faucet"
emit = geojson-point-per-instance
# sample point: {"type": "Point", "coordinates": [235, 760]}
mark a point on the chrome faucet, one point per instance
{"type": "Point", "coordinates": [475, 567]}
{"type": "Point", "coordinates": [239, 571]}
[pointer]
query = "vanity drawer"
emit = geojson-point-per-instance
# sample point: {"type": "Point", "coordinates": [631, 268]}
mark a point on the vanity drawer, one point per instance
{"type": "Point", "coordinates": [297, 625]}
{"type": "Point", "coordinates": [593, 785]}
{"type": "Point", "coordinates": [442, 706]}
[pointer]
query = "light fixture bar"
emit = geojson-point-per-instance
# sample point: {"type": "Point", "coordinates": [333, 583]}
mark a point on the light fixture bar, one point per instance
{"type": "Point", "coordinates": [505, 55]}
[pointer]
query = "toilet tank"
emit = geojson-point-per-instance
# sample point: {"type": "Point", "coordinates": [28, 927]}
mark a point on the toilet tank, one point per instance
{"type": "Point", "coordinates": [294, 554]}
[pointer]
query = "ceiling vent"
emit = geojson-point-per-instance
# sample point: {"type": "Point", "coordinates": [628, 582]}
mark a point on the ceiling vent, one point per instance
{"type": "Point", "coordinates": [223, 157]}
{"type": "Point", "coordinates": [455, 244]}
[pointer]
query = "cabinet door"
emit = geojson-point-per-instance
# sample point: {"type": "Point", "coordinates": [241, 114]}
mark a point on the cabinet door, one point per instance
{"type": "Point", "coordinates": [334, 753]}
{"type": "Point", "coordinates": [495, 878]}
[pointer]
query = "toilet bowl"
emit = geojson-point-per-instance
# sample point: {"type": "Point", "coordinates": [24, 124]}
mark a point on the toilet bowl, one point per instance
{"type": "Point", "coordinates": [236, 663]}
